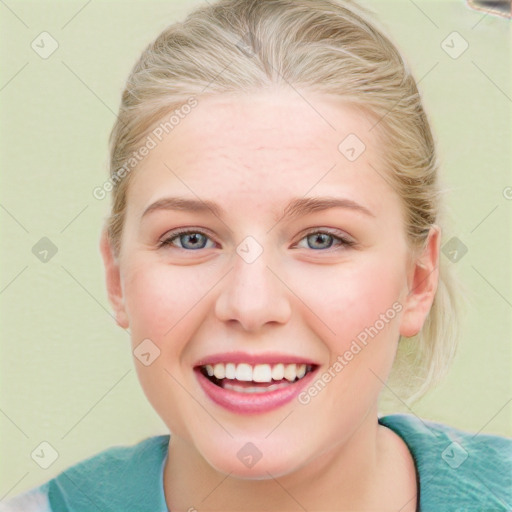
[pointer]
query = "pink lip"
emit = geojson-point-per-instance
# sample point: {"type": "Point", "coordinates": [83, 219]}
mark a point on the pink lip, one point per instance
{"type": "Point", "coordinates": [252, 403]}
{"type": "Point", "coordinates": [252, 359]}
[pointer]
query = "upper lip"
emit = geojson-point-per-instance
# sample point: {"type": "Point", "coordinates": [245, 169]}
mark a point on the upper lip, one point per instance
{"type": "Point", "coordinates": [252, 359]}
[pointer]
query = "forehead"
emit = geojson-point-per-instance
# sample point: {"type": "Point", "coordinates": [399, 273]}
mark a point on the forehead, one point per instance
{"type": "Point", "coordinates": [276, 121]}
{"type": "Point", "coordinates": [277, 141]}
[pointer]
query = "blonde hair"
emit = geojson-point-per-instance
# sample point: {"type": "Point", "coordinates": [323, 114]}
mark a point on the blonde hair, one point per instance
{"type": "Point", "coordinates": [326, 46]}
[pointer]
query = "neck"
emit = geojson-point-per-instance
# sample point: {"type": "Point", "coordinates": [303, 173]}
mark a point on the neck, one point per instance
{"type": "Point", "coordinates": [355, 475]}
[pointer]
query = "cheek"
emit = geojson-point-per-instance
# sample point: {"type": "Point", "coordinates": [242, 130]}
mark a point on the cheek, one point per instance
{"type": "Point", "coordinates": [164, 304]}
{"type": "Point", "coordinates": [360, 306]}
{"type": "Point", "coordinates": [161, 300]}
{"type": "Point", "coordinates": [354, 298]}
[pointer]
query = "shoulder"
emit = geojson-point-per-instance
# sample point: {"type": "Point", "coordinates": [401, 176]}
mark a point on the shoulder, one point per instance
{"type": "Point", "coordinates": [119, 478]}
{"type": "Point", "coordinates": [35, 500]}
{"type": "Point", "coordinates": [467, 470]}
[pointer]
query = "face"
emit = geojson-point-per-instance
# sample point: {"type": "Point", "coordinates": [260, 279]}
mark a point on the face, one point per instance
{"type": "Point", "coordinates": [295, 310]}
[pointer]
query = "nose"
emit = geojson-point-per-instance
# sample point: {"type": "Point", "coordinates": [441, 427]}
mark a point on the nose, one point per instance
{"type": "Point", "coordinates": [252, 295]}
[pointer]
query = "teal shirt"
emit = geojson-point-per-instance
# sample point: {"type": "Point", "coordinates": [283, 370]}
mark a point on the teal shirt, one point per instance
{"type": "Point", "coordinates": [456, 471]}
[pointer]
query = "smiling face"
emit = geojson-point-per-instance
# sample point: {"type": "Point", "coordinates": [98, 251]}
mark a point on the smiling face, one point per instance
{"type": "Point", "coordinates": [298, 253]}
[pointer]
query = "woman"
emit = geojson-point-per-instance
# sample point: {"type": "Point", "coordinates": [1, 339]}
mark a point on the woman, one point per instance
{"type": "Point", "coordinates": [274, 235]}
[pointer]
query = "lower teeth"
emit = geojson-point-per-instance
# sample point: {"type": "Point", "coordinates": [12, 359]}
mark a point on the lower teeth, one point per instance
{"type": "Point", "coordinates": [255, 389]}
{"type": "Point", "coordinates": [231, 385]}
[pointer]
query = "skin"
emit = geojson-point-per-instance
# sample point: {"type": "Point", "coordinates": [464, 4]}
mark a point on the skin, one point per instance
{"type": "Point", "coordinates": [252, 154]}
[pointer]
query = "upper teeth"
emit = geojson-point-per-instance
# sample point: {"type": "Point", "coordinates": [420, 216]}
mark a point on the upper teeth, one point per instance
{"type": "Point", "coordinates": [256, 373]}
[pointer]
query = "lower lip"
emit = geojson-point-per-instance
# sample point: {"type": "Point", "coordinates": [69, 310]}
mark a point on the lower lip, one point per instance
{"type": "Point", "coordinates": [252, 403]}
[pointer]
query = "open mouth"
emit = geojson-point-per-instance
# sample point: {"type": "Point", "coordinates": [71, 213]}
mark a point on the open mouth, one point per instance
{"type": "Point", "coordinates": [258, 378]}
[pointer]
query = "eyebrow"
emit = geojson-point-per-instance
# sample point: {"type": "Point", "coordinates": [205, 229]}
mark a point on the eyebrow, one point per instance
{"type": "Point", "coordinates": [295, 208]}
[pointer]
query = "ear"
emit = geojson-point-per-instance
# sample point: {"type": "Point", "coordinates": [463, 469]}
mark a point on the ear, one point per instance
{"type": "Point", "coordinates": [423, 278]}
{"type": "Point", "coordinates": [113, 280]}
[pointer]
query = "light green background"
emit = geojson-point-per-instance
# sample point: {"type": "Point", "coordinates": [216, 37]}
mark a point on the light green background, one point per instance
{"type": "Point", "coordinates": [66, 369]}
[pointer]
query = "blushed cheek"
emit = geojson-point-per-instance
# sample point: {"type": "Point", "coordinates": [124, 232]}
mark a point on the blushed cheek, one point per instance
{"type": "Point", "coordinates": [160, 308]}
{"type": "Point", "coordinates": [355, 301]}
{"type": "Point", "coordinates": [164, 302]}
{"type": "Point", "coordinates": [369, 348]}
{"type": "Point", "coordinates": [363, 349]}
{"type": "Point", "coordinates": [159, 301]}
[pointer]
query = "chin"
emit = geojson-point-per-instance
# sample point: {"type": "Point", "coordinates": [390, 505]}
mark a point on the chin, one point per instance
{"type": "Point", "coordinates": [248, 460]}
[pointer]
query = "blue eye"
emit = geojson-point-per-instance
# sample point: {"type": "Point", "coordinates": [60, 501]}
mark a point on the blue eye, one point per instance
{"type": "Point", "coordinates": [189, 240]}
{"type": "Point", "coordinates": [194, 240]}
{"type": "Point", "coordinates": [324, 240]}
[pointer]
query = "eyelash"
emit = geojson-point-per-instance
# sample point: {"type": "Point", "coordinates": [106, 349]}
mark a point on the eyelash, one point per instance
{"type": "Point", "coordinates": [167, 241]}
